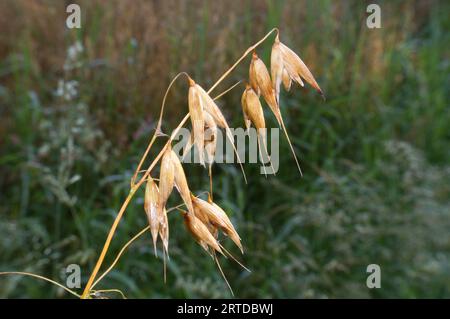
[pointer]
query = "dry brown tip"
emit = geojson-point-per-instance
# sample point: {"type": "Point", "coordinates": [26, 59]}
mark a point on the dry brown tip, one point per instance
{"type": "Point", "coordinates": [191, 82]}
{"type": "Point", "coordinates": [254, 55]}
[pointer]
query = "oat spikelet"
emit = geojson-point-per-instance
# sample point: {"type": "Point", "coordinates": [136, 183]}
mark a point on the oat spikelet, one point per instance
{"type": "Point", "coordinates": [205, 212]}
{"type": "Point", "coordinates": [188, 145]}
{"type": "Point", "coordinates": [210, 138]}
{"type": "Point", "coordinates": [253, 111]}
{"type": "Point", "coordinates": [171, 174]}
{"type": "Point", "coordinates": [201, 233]}
{"type": "Point", "coordinates": [286, 80]}
{"type": "Point", "coordinates": [276, 68]}
{"type": "Point", "coordinates": [211, 107]}
{"type": "Point", "coordinates": [293, 75]}
{"type": "Point", "coordinates": [212, 215]}
{"type": "Point", "coordinates": [150, 207]}
{"type": "Point", "coordinates": [265, 85]}
{"type": "Point", "coordinates": [166, 179]}
{"type": "Point", "coordinates": [164, 232]}
{"type": "Point", "coordinates": [181, 182]}
{"type": "Point", "coordinates": [296, 67]}
{"type": "Point", "coordinates": [196, 115]}
{"type": "Point", "coordinates": [247, 121]}
{"type": "Point", "coordinates": [204, 218]}
{"type": "Point", "coordinates": [230, 231]}
{"type": "Point", "coordinates": [252, 78]}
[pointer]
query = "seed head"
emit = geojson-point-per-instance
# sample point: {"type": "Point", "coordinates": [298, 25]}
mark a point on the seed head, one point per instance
{"type": "Point", "coordinates": [166, 179]}
{"type": "Point", "coordinates": [201, 233]}
{"type": "Point", "coordinates": [261, 78]}
{"type": "Point", "coordinates": [196, 114]}
{"type": "Point", "coordinates": [211, 213]}
{"type": "Point", "coordinates": [157, 218]}
{"type": "Point", "coordinates": [188, 145]}
{"type": "Point", "coordinates": [295, 67]}
{"type": "Point", "coordinates": [276, 68]}
{"type": "Point", "coordinates": [211, 107]}
{"type": "Point", "coordinates": [210, 138]}
{"type": "Point", "coordinates": [150, 207]}
{"type": "Point", "coordinates": [164, 231]}
{"type": "Point", "coordinates": [247, 121]}
{"type": "Point", "coordinates": [181, 182]}
{"type": "Point", "coordinates": [252, 109]}
{"type": "Point", "coordinates": [286, 80]}
{"type": "Point", "coordinates": [252, 76]}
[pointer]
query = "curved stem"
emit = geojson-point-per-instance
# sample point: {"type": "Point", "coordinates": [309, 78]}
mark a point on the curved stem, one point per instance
{"type": "Point", "coordinates": [122, 250]}
{"type": "Point", "coordinates": [137, 185]}
{"type": "Point", "coordinates": [21, 273]}
{"type": "Point", "coordinates": [123, 208]}
{"type": "Point", "coordinates": [87, 289]}
{"type": "Point", "coordinates": [157, 158]}
{"type": "Point", "coordinates": [250, 49]}
{"type": "Point", "coordinates": [158, 127]}
{"type": "Point", "coordinates": [119, 255]}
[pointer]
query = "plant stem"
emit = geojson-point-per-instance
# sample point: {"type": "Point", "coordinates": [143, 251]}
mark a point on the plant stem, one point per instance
{"type": "Point", "coordinates": [158, 127]}
{"type": "Point", "coordinates": [136, 186]}
{"type": "Point", "coordinates": [133, 179]}
{"type": "Point", "coordinates": [120, 254]}
{"type": "Point", "coordinates": [122, 211]}
{"type": "Point", "coordinates": [87, 289]}
{"type": "Point", "coordinates": [122, 250]}
{"type": "Point", "coordinates": [22, 273]}
{"type": "Point", "coordinates": [250, 49]}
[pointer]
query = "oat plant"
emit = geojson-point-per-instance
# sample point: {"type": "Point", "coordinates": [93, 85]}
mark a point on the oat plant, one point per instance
{"type": "Point", "coordinates": [203, 218]}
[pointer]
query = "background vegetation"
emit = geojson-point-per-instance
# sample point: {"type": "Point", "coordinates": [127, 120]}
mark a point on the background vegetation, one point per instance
{"type": "Point", "coordinates": [78, 106]}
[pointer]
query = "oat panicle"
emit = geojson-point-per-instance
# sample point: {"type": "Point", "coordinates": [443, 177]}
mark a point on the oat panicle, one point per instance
{"type": "Point", "coordinates": [204, 219]}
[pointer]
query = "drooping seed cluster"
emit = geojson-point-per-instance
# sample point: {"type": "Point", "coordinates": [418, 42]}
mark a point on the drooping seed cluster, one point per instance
{"type": "Point", "coordinates": [203, 218]}
{"type": "Point", "coordinates": [285, 67]}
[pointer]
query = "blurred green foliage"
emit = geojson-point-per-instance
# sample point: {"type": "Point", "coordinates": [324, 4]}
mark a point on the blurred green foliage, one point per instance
{"type": "Point", "coordinates": [78, 107]}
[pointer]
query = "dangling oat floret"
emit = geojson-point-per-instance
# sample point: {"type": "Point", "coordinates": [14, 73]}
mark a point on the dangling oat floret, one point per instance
{"type": "Point", "coordinates": [201, 233]}
{"type": "Point", "coordinates": [259, 77]}
{"type": "Point", "coordinates": [286, 63]}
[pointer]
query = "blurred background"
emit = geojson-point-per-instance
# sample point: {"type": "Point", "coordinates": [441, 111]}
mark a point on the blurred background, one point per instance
{"type": "Point", "coordinates": [77, 109]}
